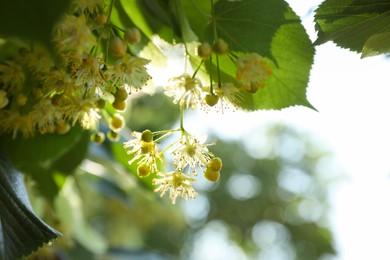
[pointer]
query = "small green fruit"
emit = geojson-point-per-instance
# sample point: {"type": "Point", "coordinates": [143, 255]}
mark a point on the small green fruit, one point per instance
{"type": "Point", "coordinates": [211, 99]}
{"type": "Point", "coordinates": [117, 47]}
{"type": "Point", "coordinates": [98, 137]}
{"type": "Point", "coordinates": [204, 50]}
{"type": "Point", "coordinates": [113, 136]}
{"type": "Point", "coordinates": [117, 122]}
{"type": "Point", "coordinates": [121, 94]}
{"type": "Point", "coordinates": [147, 136]}
{"type": "Point", "coordinates": [211, 175]}
{"type": "Point", "coordinates": [215, 164]}
{"type": "Point", "coordinates": [101, 103]}
{"type": "Point", "coordinates": [62, 127]}
{"type": "Point", "coordinates": [143, 170]}
{"type": "Point", "coordinates": [101, 19]}
{"type": "Point", "coordinates": [220, 47]}
{"type": "Point", "coordinates": [119, 105]}
{"type": "Point", "coordinates": [132, 35]}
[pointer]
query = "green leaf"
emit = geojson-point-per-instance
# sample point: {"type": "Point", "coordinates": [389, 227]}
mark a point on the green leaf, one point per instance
{"type": "Point", "coordinates": [271, 29]}
{"type": "Point", "coordinates": [377, 44]}
{"type": "Point", "coordinates": [40, 150]}
{"type": "Point", "coordinates": [21, 231]}
{"type": "Point", "coordinates": [352, 23]}
{"type": "Point", "coordinates": [43, 157]}
{"type": "Point", "coordinates": [31, 19]}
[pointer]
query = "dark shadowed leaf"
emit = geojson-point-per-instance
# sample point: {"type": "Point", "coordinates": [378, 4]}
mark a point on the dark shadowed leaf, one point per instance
{"type": "Point", "coordinates": [31, 19]}
{"type": "Point", "coordinates": [21, 231]}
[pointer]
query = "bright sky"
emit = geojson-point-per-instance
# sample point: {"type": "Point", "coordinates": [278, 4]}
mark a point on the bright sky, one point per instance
{"type": "Point", "coordinates": [352, 96]}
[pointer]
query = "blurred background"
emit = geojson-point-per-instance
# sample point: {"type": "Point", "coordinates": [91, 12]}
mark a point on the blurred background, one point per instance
{"type": "Point", "coordinates": [296, 183]}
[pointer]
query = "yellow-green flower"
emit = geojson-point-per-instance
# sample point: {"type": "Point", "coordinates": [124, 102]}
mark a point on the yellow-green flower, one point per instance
{"type": "Point", "coordinates": [191, 152]}
{"type": "Point", "coordinates": [185, 90]}
{"type": "Point", "coordinates": [252, 72]}
{"type": "Point", "coordinates": [177, 183]}
{"type": "Point", "coordinates": [129, 70]}
{"type": "Point", "coordinates": [143, 150]}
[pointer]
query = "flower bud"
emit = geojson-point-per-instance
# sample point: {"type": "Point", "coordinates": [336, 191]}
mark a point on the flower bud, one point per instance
{"type": "Point", "coordinates": [147, 136]}
{"type": "Point", "coordinates": [143, 170]}
{"type": "Point", "coordinates": [98, 137]}
{"type": "Point", "coordinates": [220, 47]}
{"type": "Point", "coordinates": [118, 47]}
{"type": "Point", "coordinates": [211, 99]}
{"type": "Point", "coordinates": [132, 35]}
{"type": "Point", "coordinates": [211, 175]}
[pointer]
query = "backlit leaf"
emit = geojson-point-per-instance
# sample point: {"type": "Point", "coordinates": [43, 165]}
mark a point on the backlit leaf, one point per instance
{"type": "Point", "coordinates": [271, 29]}
{"type": "Point", "coordinates": [352, 23]}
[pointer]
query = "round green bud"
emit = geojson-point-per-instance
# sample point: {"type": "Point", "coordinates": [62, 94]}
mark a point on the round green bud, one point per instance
{"type": "Point", "coordinates": [143, 170]}
{"type": "Point", "coordinates": [204, 50]}
{"type": "Point", "coordinates": [121, 94]}
{"type": "Point", "coordinates": [119, 105]}
{"type": "Point", "coordinates": [147, 136]}
{"type": "Point", "coordinates": [132, 35]}
{"type": "Point", "coordinates": [215, 164]}
{"type": "Point", "coordinates": [62, 127]}
{"type": "Point", "coordinates": [211, 99]}
{"type": "Point", "coordinates": [101, 19]}
{"type": "Point", "coordinates": [98, 137]}
{"type": "Point", "coordinates": [211, 175]}
{"type": "Point", "coordinates": [220, 47]}
{"type": "Point", "coordinates": [113, 136]}
{"type": "Point", "coordinates": [101, 103]}
{"type": "Point", "coordinates": [117, 122]}
{"type": "Point", "coordinates": [117, 47]}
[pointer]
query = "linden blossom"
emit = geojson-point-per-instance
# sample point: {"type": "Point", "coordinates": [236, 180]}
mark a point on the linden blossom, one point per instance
{"type": "Point", "coordinates": [177, 183]}
{"type": "Point", "coordinates": [145, 152]}
{"type": "Point", "coordinates": [129, 70]}
{"type": "Point", "coordinates": [191, 152]}
{"type": "Point", "coordinates": [185, 90]}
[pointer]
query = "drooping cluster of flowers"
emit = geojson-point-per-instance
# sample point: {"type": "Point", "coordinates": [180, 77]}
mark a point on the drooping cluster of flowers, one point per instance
{"type": "Point", "coordinates": [43, 93]}
{"type": "Point", "coordinates": [191, 156]}
{"type": "Point", "coordinates": [252, 73]}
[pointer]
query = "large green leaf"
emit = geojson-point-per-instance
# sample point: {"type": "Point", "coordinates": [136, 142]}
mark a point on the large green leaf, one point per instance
{"type": "Point", "coordinates": [359, 25]}
{"type": "Point", "coordinates": [21, 231]}
{"type": "Point", "coordinates": [30, 19]}
{"type": "Point", "coordinates": [271, 29]}
{"type": "Point", "coordinates": [39, 150]}
{"type": "Point", "coordinates": [43, 157]}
